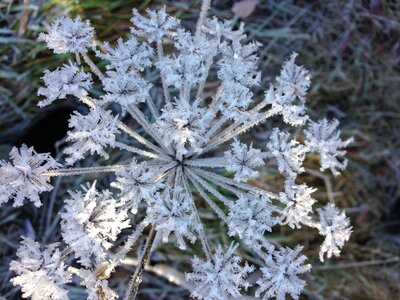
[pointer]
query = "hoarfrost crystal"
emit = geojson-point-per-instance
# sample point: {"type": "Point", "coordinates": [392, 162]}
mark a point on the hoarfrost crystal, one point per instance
{"type": "Point", "coordinates": [220, 276]}
{"type": "Point", "coordinates": [25, 179]}
{"type": "Point", "coordinates": [41, 274]}
{"type": "Point", "coordinates": [200, 98]}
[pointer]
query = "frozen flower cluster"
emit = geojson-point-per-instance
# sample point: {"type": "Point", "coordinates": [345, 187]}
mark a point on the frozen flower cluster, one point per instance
{"type": "Point", "coordinates": [173, 157]}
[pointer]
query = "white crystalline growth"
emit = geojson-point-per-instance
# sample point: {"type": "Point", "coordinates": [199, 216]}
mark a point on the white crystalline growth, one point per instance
{"type": "Point", "coordinates": [130, 55]}
{"type": "Point", "coordinates": [298, 204]}
{"type": "Point", "coordinates": [90, 133]}
{"type": "Point", "coordinates": [219, 277]}
{"type": "Point", "coordinates": [173, 213]}
{"type": "Point", "coordinates": [156, 26]}
{"type": "Point", "coordinates": [335, 226]}
{"type": "Point", "coordinates": [288, 153]}
{"type": "Point", "coordinates": [23, 178]}
{"type": "Point", "coordinates": [41, 274]}
{"type": "Point", "coordinates": [281, 275]}
{"type": "Point", "coordinates": [243, 160]}
{"type": "Point", "coordinates": [90, 223]}
{"type": "Point", "coordinates": [137, 182]}
{"type": "Point", "coordinates": [96, 288]}
{"type": "Point", "coordinates": [184, 128]}
{"type": "Point", "coordinates": [64, 81]}
{"type": "Point", "coordinates": [250, 217]}
{"type": "Point", "coordinates": [67, 35]}
{"type": "Point", "coordinates": [324, 138]}
{"type": "Point", "coordinates": [288, 96]}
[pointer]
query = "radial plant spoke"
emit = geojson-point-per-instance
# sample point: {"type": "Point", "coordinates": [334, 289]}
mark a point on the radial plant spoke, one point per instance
{"type": "Point", "coordinates": [80, 171]}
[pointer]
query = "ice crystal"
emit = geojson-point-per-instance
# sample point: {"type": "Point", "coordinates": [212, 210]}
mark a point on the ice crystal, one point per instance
{"type": "Point", "coordinates": [219, 277]}
{"type": "Point", "coordinates": [137, 182]}
{"type": "Point", "coordinates": [298, 204]}
{"type": "Point", "coordinates": [201, 95]}
{"type": "Point", "coordinates": [24, 178]}
{"type": "Point", "coordinates": [249, 218]}
{"type": "Point", "coordinates": [41, 274]}
{"type": "Point", "coordinates": [69, 80]}
{"type": "Point", "coordinates": [335, 227]}
{"type": "Point", "coordinates": [243, 159]}
{"type": "Point", "coordinates": [67, 35]}
{"type": "Point", "coordinates": [90, 133]}
{"type": "Point", "coordinates": [91, 222]}
{"type": "Point", "coordinates": [288, 153]}
{"type": "Point", "coordinates": [173, 212]}
{"type": "Point", "coordinates": [324, 138]}
{"type": "Point", "coordinates": [280, 275]}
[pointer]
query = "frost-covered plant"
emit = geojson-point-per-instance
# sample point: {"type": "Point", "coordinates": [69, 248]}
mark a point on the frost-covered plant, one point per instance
{"type": "Point", "coordinates": [172, 156]}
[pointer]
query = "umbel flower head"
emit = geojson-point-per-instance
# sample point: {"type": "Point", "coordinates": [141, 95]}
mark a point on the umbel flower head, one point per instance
{"type": "Point", "coordinates": [42, 274]}
{"type": "Point", "coordinates": [177, 155]}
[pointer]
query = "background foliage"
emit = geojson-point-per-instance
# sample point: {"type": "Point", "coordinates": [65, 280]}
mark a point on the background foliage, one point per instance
{"type": "Point", "coordinates": [352, 49]}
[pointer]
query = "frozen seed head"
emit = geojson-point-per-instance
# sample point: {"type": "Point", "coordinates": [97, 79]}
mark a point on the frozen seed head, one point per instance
{"type": "Point", "coordinates": [41, 274]}
{"type": "Point", "coordinates": [68, 35]}
{"type": "Point", "coordinates": [219, 277]}
{"type": "Point", "coordinates": [23, 178]}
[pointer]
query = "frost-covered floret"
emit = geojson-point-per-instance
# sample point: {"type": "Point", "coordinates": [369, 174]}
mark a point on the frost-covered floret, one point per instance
{"type": "Point", "coordinates": [288, 154]}
{"type": "Point", "coordinates": [67, 35]}
{"type": "Point", "coordinates": [129, 55]}
{"type": "Point", "coordinates": [92, 132]}
{"type": "Point", "coordinates": [23, 178]}
{"type": "Point", "coordinates": [187, 69]}
{"type": "Point", "coordinates": [91, 222]}
{"type": "Point", "coordinates": [243, 159]}
{"type": "Point", "coordinates": [156, 26]}
{"type": "Point", "coordinates": [172, 212]}
{"type": "Point", "coordinates": [298, 204]}
{"type": "Point", "coordinates": [288, 96]}
{"type": "Point", "coordinates": [41, 274]}
{"type": "Point", "coordinates": [96, 288]}
{"type": "Point", "coordinates": [250, 217]}
{"type": "Point", "coordinates": [69, 80]}
{"type": "Point", "coordinates": [335, 226]}
{"type": "Point", "coordinates": [125, 88]}
{"type": "Point", "coordinates": [183, 127]}
{"type": "Point", "coordinates": [324, 138]}
{"type": "Point", "coordinates": [280, 274]}
{"type": "Point", "coordinates": [220, 276]}
{"type": "Point", "coordinates": [137, 182]}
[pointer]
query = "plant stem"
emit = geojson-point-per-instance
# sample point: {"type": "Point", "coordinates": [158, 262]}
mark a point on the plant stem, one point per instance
{"type": "Point", "coordinates": [136, 278]}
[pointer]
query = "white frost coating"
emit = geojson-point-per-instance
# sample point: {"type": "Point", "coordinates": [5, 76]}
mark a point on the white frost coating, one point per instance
{"type": "Point", "coordinates": [288, 96]}
{"type": "Point", "coordinates": [324, 138]}
{"type": "Point", "coordinates": [249, 218]}
{"type": "Point", "coordinates": [173, 213]}
{"type": "Point", "coordinates": [22, 179]}
{"type": "Point", "coordinates": [130, 55]}
{"type": "Point", "coordinates": [124, 88]}
{"type": "Point", "coordinates": [183, 104]}
{"type": "Point", "coordinates": [90, 133]}
{"type": "Point", "coordinates": [64, 81]}
{"type": "Point", "coordinates": [156, 26]}
{"type": "Point", "coordinates": [219, 277]}
{"type": "Point", "coordinates": [41, 274]}
{"type": "Point", "coordinates": [67, 35]}
{"type": "Point", "coordinates": [289, 154]}
{"type": "Point", "coordinates": [95, 286]}
{"type": "Point", "coordinates": [335, 226]}
{"type": "Point", "coordinates": [243, 159]}
{"type": "Point", "coordinates": [137, 182]}
{"type": "Point", "coordinates": [281, 275]}
{"type": "Point", "coordinates": [184, 128]}
{"type": "Point", "coordinates": [91, 222]}
{"type": "Point", "coordinates": [298, 204]}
